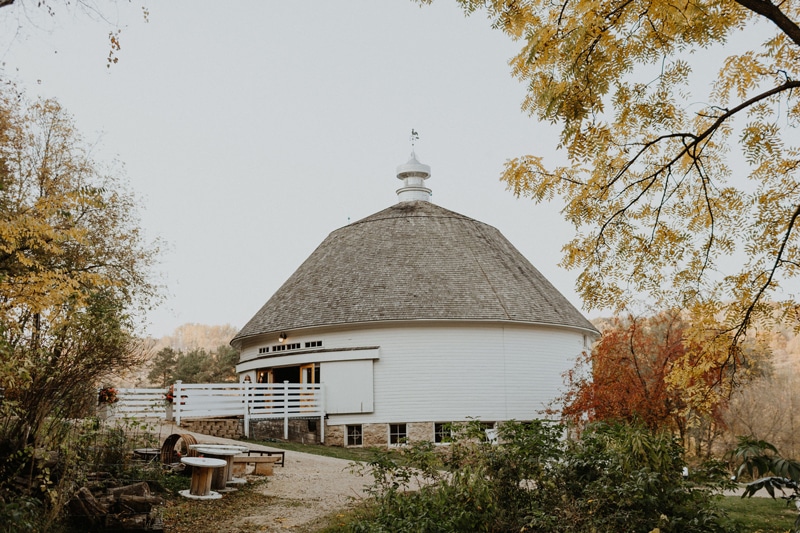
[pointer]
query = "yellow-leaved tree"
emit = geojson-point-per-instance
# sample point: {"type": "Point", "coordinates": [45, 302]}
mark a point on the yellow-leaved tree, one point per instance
{"type": "Point", "coordinates": [691, 199]}
{"type": "Point", "coordinates": [74, 272]}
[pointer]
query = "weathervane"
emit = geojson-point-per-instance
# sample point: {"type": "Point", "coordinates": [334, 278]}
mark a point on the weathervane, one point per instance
{"type": "Point", "coordinates": [414, 138]}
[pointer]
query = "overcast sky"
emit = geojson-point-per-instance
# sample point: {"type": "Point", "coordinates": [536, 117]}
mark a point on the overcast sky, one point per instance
{"type": "Point", "coordinates": [252, 129]}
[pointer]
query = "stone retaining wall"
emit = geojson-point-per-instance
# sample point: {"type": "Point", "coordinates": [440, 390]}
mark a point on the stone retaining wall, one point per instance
{"type": "Point", "coordinates": [300, 430]}
{"type": "Point", "coordinates": [227, 428]}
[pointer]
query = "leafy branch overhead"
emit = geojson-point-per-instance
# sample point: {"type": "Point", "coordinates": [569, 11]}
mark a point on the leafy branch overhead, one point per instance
{"type": "Point", "coordinates": [690, 199]}
{"type": "Point", "coordinates": [87, 8]}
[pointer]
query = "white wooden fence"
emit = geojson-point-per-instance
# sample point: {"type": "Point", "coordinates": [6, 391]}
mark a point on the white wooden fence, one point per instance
{"type": "Point", "coordinates": [253, 401]}
{"type": "Point", "coordinates": [140, 403]}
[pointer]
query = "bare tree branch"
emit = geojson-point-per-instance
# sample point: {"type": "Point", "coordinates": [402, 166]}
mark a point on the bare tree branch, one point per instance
{"type": "Point", "coordinates": [768, 10]}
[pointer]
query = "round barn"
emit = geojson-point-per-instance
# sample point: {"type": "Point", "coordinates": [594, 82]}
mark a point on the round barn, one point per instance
{"type": "Point", "coordinates": [412, 318]}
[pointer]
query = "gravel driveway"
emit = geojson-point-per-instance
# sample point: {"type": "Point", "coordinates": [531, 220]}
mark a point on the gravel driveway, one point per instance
{"type": "Point", "coordinates": [305, 489]}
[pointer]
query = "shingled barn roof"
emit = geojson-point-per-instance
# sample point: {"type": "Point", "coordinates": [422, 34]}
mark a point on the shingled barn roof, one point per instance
{"type": "Point", "coordinates": [414, 261]}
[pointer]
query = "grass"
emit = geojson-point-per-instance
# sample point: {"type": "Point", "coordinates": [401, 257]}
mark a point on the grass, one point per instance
{"type": "Point", "coordinates": [759, 515]}
{"type": "Point", "coordinates": [350, 454]}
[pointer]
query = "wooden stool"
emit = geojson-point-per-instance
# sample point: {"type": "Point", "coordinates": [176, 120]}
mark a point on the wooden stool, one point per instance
{"type": "Point", "coordinates": [202, 472]}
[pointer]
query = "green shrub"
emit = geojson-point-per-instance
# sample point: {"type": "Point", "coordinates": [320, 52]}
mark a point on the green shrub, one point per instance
{"type": "Point", "coordinates": [613, 478]}
{"type": "Point", "coordinates": [21, 514]}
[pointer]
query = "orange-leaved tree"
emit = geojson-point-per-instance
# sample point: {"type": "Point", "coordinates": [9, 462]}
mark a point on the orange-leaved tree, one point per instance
{"type": "Point", "coordinates": [629, 375]}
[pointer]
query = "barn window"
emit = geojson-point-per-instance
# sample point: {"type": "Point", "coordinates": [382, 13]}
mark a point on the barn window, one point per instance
{"type": "Point", "coordinates": [284, 347]}
{"type": "Point", "coordinates": [397, 434]}
{"type": "Point", "coordinates": [442, 432]}
{"type": "Point", "coordinates": [355, 436]}
{"type": "Point", "coordinates": [489, 431]}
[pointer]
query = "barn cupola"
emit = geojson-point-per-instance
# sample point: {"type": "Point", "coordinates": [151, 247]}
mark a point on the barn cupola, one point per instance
{"type": "Point", "coordinates": [413, 173]}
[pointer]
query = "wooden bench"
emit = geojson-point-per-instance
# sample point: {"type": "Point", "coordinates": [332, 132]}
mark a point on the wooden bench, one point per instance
{"type": "Point", "coordinates": [263, 463]}
{"type": "Point", "coordinates": [281, 455]}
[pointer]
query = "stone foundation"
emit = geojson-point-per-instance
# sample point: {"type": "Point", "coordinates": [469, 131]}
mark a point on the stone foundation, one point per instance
{"type": "Point", "coordinates": [227, 428]}
{"type": "Point", "coordinates": [378, 434]}
{"type": "Point", "coordinates": [419, 431]}
{"type": "Point", "coordinates": [304, 431]}
{"type": "Point", "coordinates": [375, 434]}
{"type": "Point", "coordinates": [334, 435]}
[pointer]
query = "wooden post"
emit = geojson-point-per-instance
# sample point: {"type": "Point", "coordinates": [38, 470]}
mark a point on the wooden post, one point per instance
{"type": "Point", "coordinates": [285, 410]}
{"type": "Point", "coordinates": [176, 391]}
{"type": "Point", "coordinates": [247, 402]}
{"type": "Point", "coordinates": [321, 407]}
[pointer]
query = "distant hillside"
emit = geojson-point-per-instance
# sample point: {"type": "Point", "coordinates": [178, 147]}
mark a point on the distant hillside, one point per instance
{"type": "Point", "coordinates": [191, 336]}
{"type": "Point", "coordinates": [185, 338]}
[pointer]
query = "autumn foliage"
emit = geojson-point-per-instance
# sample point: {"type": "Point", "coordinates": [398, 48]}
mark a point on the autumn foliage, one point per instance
{"type": "Point", "coordinates": [630, 376]}
{"type": "Point", "coordinates": [682, 191]}
{"type": "Point", "coordinates": [74, 268]}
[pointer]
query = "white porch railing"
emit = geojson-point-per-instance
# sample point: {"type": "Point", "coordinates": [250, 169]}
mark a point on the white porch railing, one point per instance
{"type": "Point", "coordinates": [285, 400]}
{"type": "Point", "coordinates": [254, 401]}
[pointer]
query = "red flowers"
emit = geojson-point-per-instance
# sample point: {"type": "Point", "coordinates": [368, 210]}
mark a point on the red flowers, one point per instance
{"type": "Point", "coordinates": [107, 395]}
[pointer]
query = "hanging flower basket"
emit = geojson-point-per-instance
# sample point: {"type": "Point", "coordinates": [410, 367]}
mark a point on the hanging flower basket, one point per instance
{"type": "Point", "coordinates": [107, 396]}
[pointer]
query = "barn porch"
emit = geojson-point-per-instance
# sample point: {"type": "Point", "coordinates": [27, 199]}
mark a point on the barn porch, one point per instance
{"type": "Point", "coordinates": [251, 402]}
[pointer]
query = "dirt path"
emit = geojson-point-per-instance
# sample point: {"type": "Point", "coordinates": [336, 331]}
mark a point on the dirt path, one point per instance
{"type": "Point", "coordinates": [306, 488]}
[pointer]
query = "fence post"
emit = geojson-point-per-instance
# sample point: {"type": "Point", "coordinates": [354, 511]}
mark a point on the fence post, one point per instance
{"type": "Point", "coordinates": [246, 392]}
{"type": "Point", "coordinates": [286, 410]}
{"type": "Point", "coordinates": [322, 413]}
{"type": "Point", "coordinates": [178, 400]}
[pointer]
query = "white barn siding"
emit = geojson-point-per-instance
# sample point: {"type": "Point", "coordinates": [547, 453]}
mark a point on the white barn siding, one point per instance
{"type": "Point", "coordinates": [443, 373]}
{"type": "Point", "coordinates": [435, 372]}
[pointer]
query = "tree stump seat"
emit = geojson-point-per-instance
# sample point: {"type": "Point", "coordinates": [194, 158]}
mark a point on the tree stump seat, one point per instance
{"type": "Point", "coordinates": [202, 473]}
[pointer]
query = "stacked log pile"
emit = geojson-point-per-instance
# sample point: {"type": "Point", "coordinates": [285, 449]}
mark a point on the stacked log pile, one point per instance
{"type": "Point", "coordinates": [128, 508]}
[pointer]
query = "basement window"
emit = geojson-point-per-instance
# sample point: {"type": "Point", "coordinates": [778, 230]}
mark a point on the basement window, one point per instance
{"type": "Point", "coordinates": [442, 432]}
{"type": "Point", "coordinates": [489, 431]}
{"type": "Point", "coordinates": [355, 436]}
{"type": "Point", "coordinates": [398, 434]}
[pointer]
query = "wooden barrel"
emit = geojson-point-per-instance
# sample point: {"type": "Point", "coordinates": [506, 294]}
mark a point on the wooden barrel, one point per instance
{"type": "Point", "coordinates": [170, 455]}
